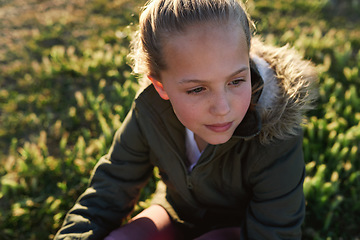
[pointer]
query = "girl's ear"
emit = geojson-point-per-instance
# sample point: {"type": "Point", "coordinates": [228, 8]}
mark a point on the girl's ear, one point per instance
{"type": "Point", "coordinates": [159, 87]}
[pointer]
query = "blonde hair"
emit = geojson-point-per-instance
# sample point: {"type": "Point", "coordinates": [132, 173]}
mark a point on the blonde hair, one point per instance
{"type": "Point", "coordinates": [163, 18]}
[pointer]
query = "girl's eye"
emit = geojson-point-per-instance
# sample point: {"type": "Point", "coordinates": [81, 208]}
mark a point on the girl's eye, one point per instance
{"type": "Point", "coordinates": [195, 90]}
{"type": "Point", "coordinates": [236, 82]}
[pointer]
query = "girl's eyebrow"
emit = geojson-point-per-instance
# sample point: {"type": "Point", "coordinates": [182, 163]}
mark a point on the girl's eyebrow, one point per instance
{"type": "Point", "coordinates": [242, 69]}
{"type": "Point", "coordinates": [184, 81]}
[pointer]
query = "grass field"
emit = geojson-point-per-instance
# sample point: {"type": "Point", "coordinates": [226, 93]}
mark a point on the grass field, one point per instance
{"type": "Point", "coordinates": [65, 88]}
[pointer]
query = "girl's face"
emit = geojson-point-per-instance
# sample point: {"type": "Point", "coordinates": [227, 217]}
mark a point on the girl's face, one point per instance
{"type": "Point", "coordinates": [207, 80]}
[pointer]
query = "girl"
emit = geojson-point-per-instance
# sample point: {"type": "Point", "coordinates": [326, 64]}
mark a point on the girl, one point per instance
{"type": "Point", "coordinates": [221, 120]}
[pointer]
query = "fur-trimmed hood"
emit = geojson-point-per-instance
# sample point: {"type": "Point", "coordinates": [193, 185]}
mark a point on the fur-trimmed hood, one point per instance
{"type": "Point", "coordinates": [288, 91]}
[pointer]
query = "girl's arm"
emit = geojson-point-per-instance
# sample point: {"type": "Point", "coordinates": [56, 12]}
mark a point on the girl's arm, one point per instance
{"type": "Point", "coordinates": [277, 208]}
{"type": "Point", "coordinates": [114, 186]}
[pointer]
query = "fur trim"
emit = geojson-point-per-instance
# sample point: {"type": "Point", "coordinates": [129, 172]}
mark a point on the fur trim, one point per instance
{"type": "Point", "coordinates": [288, 91]}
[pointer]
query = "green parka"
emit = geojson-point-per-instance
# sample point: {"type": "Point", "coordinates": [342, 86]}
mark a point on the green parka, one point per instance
{"type": "Point", "coordinates": [253, 181]}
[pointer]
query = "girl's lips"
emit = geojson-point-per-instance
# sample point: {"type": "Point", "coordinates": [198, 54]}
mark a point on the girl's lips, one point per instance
{"type": "Point", "coordinates": [220, 127]}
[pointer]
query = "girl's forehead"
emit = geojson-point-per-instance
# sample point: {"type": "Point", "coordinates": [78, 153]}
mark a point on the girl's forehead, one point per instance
{"type": "Point", "coordinates": [205, 51]}
{"type": "Point", "coordinates": [205, 35]}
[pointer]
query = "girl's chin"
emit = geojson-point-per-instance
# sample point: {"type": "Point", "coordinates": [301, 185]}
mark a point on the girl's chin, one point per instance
{"type": "Point", "coordinates": [218, 141]}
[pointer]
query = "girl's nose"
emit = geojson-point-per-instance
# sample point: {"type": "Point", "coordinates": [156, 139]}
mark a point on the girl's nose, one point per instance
{"type": "Point", "coordinates": [220, 105]}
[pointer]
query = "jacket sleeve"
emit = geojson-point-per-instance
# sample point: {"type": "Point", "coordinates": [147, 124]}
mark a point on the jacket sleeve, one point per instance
{"type": "Point", "coordinates": [114, 186]}
{"type": "Point", "coordinates": [277, 207]}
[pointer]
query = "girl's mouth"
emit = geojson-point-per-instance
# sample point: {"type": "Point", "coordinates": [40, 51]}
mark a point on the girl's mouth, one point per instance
{"type": "Point", "coordinates": [220, 127]}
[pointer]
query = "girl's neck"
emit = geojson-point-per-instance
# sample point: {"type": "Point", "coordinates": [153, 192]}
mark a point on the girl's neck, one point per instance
{"type": "Point", "coordinates": [200, 143]}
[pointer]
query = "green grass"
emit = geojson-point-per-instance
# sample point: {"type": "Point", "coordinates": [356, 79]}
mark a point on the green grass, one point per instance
{"type": "Point", "coordinates": [65, 88]}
